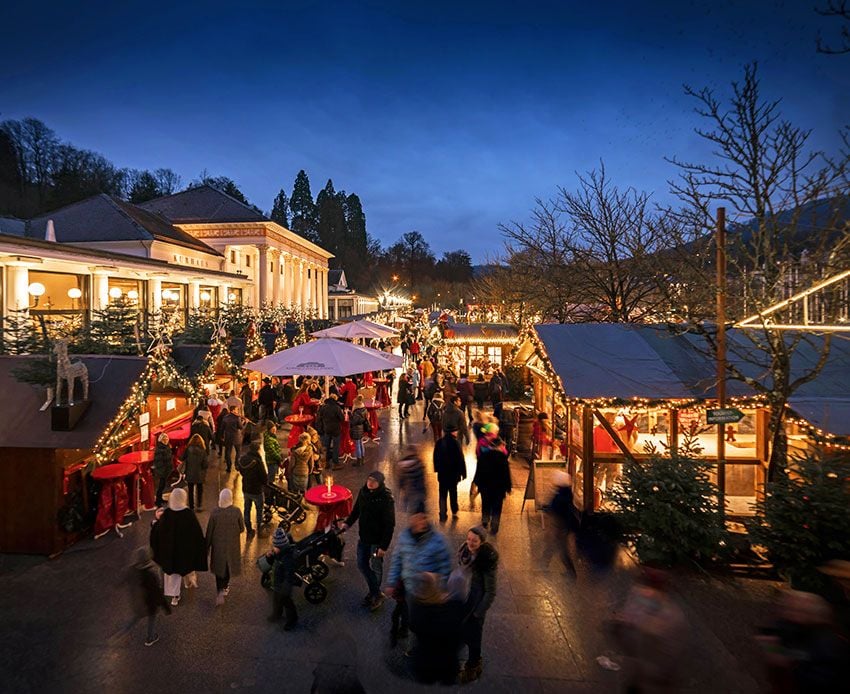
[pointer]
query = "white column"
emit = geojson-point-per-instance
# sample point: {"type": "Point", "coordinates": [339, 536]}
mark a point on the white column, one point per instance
{"type": "Point", "coordinates": [263, 274]}
{"type": "Point", "coordinates": [17, 284]}
{"type": "Point", "coordinates": [223, 291]}
{"type": "Point", "coordinates": [324, 292]}
{"type": "Point", "coordinates": [194, 294]}
{"type": "Point", "coordinates": [285, 289]}
{"type": "Point", "coordinates": [293, 297]}
{"type": "Point", "coordinates": [155, 298]}
{"type": "Point", "coordinates": [275, 258]}
{"type": "Point", "coordinates": [100, 291]}
{"type": "Point", "coordinates": [305, 286]}
{"type": "Point", "coordinates": [299, 283]}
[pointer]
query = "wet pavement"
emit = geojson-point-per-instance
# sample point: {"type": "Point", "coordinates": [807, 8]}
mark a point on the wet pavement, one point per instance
{"type": "Point", "coordinates": [63, 618]}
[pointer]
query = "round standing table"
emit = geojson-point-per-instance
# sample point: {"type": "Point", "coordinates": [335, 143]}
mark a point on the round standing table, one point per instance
{"type": "Point", "coordinates": [372, 407]}
{"type": "Point", "coordinates": [145, 489]}
{"type": "Point", "coordinates": [113, 504]}
{"type": "Point", "coordinates": [331, 506]}
{"type": "Point", "coordinates": [298, 422]}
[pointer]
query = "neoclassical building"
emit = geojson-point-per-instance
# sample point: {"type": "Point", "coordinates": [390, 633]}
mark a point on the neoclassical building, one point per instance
{"type": "Point", "coordinates": [192, 250]}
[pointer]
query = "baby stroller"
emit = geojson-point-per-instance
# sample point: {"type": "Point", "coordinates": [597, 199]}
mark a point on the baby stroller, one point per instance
{"type": "Point", "coordinates": [311, 570]}
{"type": "Point", "coordinates": [284, 504]}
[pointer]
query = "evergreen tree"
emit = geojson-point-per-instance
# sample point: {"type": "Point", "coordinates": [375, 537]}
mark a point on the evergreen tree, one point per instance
{"type": "Point", "coordinates": [280, 210]}
{"type": "Point", "coordinates": [281, 342]}
{"type": "Point", "coordinates": [114, 329]}
{"type": "Point", "coordinates": [330, 208]}
{"type": "Point", "coordinates": [303, 208]}
{"type": "Point", "coordinates": [143, 187]}
{"type": "Point", "coordinates": [20, 335]}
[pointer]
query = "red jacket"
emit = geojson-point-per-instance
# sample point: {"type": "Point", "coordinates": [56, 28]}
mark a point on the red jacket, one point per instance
{"type": "Point", "coordinates": [348, 391]}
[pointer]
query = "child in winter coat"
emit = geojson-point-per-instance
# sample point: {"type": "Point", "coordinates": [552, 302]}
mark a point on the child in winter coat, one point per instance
{"type": "Point", "coordinates": [146, 592]}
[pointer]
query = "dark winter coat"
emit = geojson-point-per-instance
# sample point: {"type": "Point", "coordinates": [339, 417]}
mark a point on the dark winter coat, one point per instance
{"type": "Point", "coordinates": [231, 429]}
{"type": "Point", "coordinates": [449, 463]}
{"type": "Point", "coordinates": [357, 423]}
{"type": "Point", "coordinates": [434, 411]}
{"type": "Point", "coordinates": [246, 395]}
{"type": "Point", "coordinates": [178, 543]}
{"type": "Point", "coordinates": [223, 531]}
{"type": "Point", "coordinates": [266, 396]}
{"type": "Point", "coordinates": [481, 390]}
{"type": "Point", "coordinates": [253, 472]}
{"type": "Point", "coordinates": [482, 587]}
{"type": "Point", "coordinates": [493, 473]}
{"type": "Point", "coordinates": [562, 508]}
{"type": "Point", "coordinates": [331, 416]}
{"type": "Point", "coordinates": [146, 590]}
{"type": "Point", "coordinates": [195, 459]}
{"type": "Point", "coordinates": [203, 429]}
{"type": "Point", "coordinates": [496, 390]}
{"type": "Point", "coordinates": [411, 480]}
{"type": "Point", "coordinates": [438, 637]}
{"type": "Point", "coordinates": [376, 512]}
{"type": "Point", "coordinates": [452, 416]}
{"type": "Point", "coordinates": [404, 392]}
{"type": "Point", "coordinates": [284, 564]}
{"type": "Point", "coordinates": [162, 460]}
{"type": "Point", "coordinates": [466, 390]}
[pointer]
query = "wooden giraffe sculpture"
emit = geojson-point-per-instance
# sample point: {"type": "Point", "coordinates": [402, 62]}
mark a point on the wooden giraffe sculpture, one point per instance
{"type": "Point", "coordinates": [68, 372]}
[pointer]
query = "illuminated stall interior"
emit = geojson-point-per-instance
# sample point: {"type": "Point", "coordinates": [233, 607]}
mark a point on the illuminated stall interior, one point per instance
{"type": "Point", "coordinates": [651, 390]}
{"type": "Point", "coordinates": [475, 348]}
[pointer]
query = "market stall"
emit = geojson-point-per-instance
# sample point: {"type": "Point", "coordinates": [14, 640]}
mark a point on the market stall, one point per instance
{"type": "Point", "coordinates": [474, 348]}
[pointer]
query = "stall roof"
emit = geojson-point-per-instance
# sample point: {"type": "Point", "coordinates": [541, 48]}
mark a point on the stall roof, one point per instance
{"type": "Point", "coordinates": [607, 360]}
{"type": "Point", "coordinates": [483, 332]}
{"type": "Point", "coordinates": [24, 426]}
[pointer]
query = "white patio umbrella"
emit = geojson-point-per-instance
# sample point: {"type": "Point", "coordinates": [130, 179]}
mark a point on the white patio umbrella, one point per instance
{"type": "Point", "coordinates": [385, 329]}
{"type": "Point", "coordinates": [325, 357]}
{"type": "Point", "coordinates": [352, 331]}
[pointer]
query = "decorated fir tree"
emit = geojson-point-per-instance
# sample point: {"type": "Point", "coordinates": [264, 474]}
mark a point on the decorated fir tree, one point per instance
{"type": "Point", "coordinates": [113, 330]}
{"type": "Point", "coordinates": [20, 334]}
{"type": "Point", "coordinates": [254, 347]}
{"type": "Point", "coordinates": [281, 342]}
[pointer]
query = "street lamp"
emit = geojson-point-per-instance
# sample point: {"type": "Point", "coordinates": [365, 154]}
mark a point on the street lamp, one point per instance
{"type": "Point", "coordinates": [133, 295]}
{"type": "Point", "coordinates": [115, 293]}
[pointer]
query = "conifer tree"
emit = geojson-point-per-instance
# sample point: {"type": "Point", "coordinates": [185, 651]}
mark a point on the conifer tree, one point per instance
{"type": "Point", "coordinates": [19, 333]}
{"type": "Point", "coordinates": [280, 210]}
{"type": "Point", "coordinates": [303, 208]}
{"type": "Point", "coordinates": [114, 329]}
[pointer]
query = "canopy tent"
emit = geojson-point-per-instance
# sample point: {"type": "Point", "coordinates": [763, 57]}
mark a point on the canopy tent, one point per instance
{"type": "Point", "coordinates": [325, 357]}
{"type": "Point", "coordinates": [357, 329]}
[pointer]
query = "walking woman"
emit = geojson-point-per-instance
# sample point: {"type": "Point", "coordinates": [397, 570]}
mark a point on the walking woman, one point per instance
{"type": "Point", "coordinates": [318, 467]}
{"type": "Point", "coordinates": [178, 544]}
{"type": "Point", "coordinates": [162, 465]}
{"type": "Point", "coordinates": [195, 461]}
{"type": "Point", "coordinates": [403, 396]}
{"type": "Point", "coordinates": [480, 560]}
{"type": "Point", "coordinates": [273, 452]}
{"type": "Point", "coordinates": [223, 530]}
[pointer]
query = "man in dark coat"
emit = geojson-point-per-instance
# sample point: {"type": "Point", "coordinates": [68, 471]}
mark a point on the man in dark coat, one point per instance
{"type": "Point", "coordinates": [284, 557]}
{"type": "Point", "coordinates": [493, 479]}
{"type": "Point", "coordinates": [331, 416]}
{"type": "Point", "coordinates": [454, 417]}
{"type": "Point", "coordinates": [450, 466]}
{"type": "Point", "coordinates": [246, 395]}
{"type": "Point", "coordinates": [232, 426]}
{"type": "Point", "coordinates": [497, 394]}
{"type": "Point", "coordinates": [375, 509]}
{"type": "Point", "coordinates": [266, 399]}
{"type": "Point", "coordinates": [466, 390]}
{"type": "Point", "coordinates": [202, 429]}
{"type": "Point", "coordinates": [146, 592]}
{"type": "Point", "coordinates": [254, 477]}
{"type": "Point", "coordinates": [564, 524]}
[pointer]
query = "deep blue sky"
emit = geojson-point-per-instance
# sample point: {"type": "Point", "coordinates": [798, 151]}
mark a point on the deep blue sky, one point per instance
{"type": "Point", "coordinates": [445, 117]}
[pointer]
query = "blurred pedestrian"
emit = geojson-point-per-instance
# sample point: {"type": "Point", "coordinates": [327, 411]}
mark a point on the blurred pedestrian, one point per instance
{"type": "Point", "coordinates": [434, 415]}
{"type": "Point", "coordinates": [564, 524]}
{"type": "Point", "coordinates": [178, 545]}
{"type": "Point", "coordinates": [453, 416]}
{"type": "Point", "coordinates": [146, 593]}
{"type": "Point", "coordinates": [232, 429]}
{"type": "Point", "coordinates": [329, 420]}
{"type": "Point", "coordinates": [223, 542]}
{"type": "Point", "coordinates": [300, 464]}
{"type": "Point", "coordinates": [195, 469]}
{"type": "Point", "coordinates": [652, 632]}
{"type": "Point", "coordinates": [283, 557]}
{"type": "Point", "coordinates": [375, 511]}
{"type": "Point", "coordinates": [411, 480]}
{"type": "Point", "coordinates": [435, 619]}
{"type": "Point", "coordinates": [274, 454]}
{"type": "Point", "coordinates": [358, 425]}
{"type": "Point", "coordinates": [480, 559]}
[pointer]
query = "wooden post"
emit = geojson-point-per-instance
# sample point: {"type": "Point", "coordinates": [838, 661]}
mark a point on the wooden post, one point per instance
{"type": "Point", "coordinates": [587, 459]}
{"type": "Point", "coordinates": [615, 437]}
{"type": "Point", "coordinates": [569, 433]}
{"type": "Point", "coordinates": [721, 353]}
{"type": "Point", "coordinates": [673, 416]}
{"type": "Point", "coordinates": [552, 427]}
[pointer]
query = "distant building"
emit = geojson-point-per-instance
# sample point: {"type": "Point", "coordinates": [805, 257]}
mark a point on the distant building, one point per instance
{"type": "Point", "coordinates": [192, 250]}
{"type": "Point", "coordinates": [344, 302]}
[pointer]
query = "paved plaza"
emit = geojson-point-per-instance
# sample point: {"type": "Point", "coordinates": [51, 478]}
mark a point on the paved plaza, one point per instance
{"type": "Point", "coordinates": [63, 618]}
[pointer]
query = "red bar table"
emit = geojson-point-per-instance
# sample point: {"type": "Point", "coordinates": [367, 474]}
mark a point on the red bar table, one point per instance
{"type": "Point", "coordinates": [113, 503]}
{"type": "Point", "coordinates": [381, 393]}
{"type": "Point", "coordinates": [145, 490]}
{"type": "Point", "coordinates": [372, 406]}
{"type": "Point", "coordinates": [346, 445]}
{"type": "Point", "coordinates": [331, 506]}
{"type": "Point", "coordinates": [298, 422]}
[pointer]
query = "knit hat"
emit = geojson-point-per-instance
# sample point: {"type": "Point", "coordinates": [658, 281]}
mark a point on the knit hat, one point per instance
{"type": "Point", "coordinates": [490, 429]}
{"type": "Point", "coordinates": [378, 476]}
{"type": "Point", "coordinates": [177, 500]}
{"type": "Point", "coordinates": [449, 428]}
{"type": "Point", "coordinates": [280, 539]}
{"type": "Point", "coordinates": [225, 498]}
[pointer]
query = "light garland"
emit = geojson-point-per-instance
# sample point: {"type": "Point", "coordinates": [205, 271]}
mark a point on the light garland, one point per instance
{"type": "Point", "coordinates": [218, 355]}
{"type": "Point", "coordinates": [160, 369]}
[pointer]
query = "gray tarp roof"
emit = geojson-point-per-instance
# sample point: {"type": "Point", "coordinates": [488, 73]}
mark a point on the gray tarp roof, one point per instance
{"type": "Point", "coordinates": [606, 360]}
{"type": "Point", "coordinates": [23, 426]}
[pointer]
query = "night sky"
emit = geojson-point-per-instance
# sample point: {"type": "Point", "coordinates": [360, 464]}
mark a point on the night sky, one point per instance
{"type": "Point", "coordinates": [445, 117]}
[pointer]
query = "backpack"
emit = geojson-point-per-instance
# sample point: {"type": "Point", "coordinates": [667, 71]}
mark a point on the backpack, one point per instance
{"type": "Point", "coordinates": [435, 413]}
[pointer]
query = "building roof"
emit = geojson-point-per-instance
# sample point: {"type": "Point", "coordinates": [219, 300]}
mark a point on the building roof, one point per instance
{"type": "Point", "coordinates": [203, 205]}
{"type": "Point", "coordinates": [337, 277]}
{"type": "Point", "coordinates": [24, 426]}
{"type": "Point", "coordinates": [104, 218]}
{"type": "Point", "coordinates": [12, 226]}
